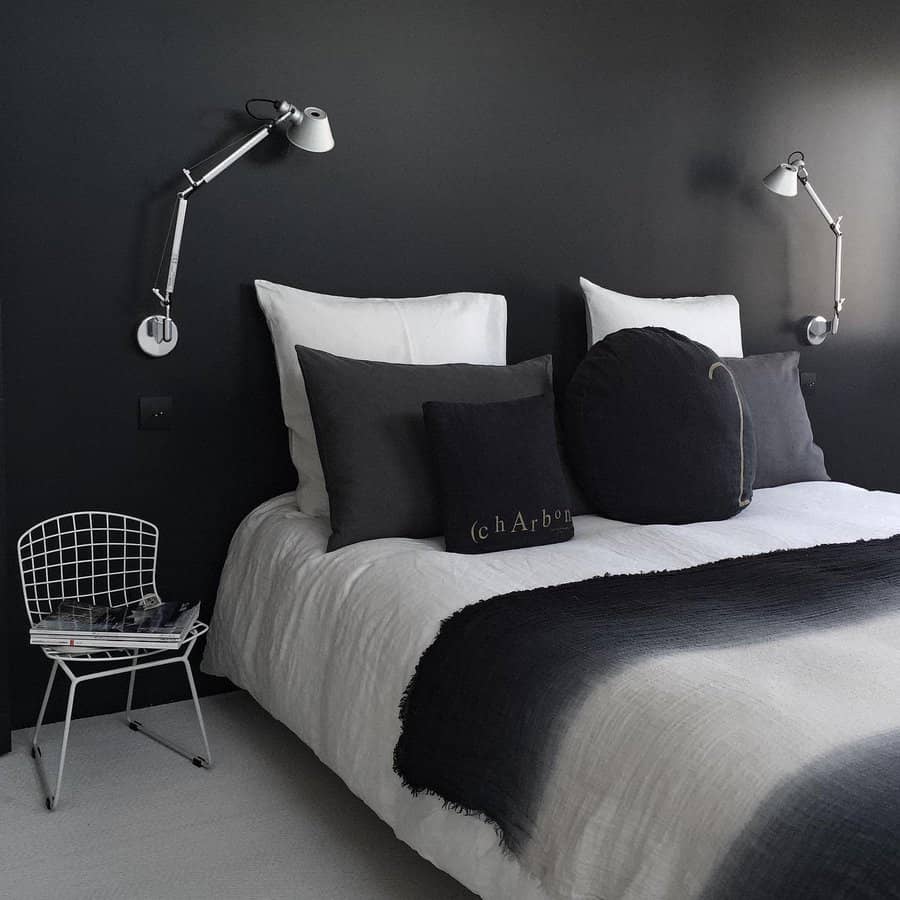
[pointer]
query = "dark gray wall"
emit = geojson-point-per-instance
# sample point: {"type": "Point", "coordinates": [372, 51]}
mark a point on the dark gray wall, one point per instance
{"type": "Point", "coordinates": [4, 563]}
{"type": "Point", "coordinates": [496, 146]}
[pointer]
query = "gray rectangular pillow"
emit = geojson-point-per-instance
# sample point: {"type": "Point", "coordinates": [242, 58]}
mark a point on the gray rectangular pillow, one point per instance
{"type": "Point", "coordinates": [372, 440]}
{"type": "Point", "coordinates": [785, 450]}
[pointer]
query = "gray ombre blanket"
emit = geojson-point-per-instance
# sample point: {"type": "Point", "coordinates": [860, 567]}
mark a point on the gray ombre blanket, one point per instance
{"type": "Point", "coordinates": [737, 722]}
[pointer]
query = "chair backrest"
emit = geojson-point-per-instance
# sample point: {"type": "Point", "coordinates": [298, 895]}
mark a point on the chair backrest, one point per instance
{"type": "Point", "coordinates": [98, 558]}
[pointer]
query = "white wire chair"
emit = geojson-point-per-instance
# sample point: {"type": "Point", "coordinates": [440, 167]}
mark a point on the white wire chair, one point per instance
{"type": "Point", "coordinates": [104, 559]}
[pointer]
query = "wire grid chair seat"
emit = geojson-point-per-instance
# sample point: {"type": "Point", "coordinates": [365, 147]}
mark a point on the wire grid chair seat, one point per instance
{"type": "Point", "coordinates": [103, 559]}
{"type": "Point", "coordinates": [117, 654]}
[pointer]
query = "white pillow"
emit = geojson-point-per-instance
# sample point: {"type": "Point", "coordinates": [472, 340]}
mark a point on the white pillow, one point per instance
{"type": "Point", "coordinates": [714, 320]}
{"type": "Point", "coordinates": [469, 328]}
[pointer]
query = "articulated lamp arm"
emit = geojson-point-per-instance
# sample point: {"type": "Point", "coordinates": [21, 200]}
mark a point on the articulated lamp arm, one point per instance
{"type": "Point", "coordinates": [181, 209]}
{"type": "Point", "coordinates": [783, 181]}
{"type": "Point", "coordinates": [308, 130]}
{"type": "Point", "coordinates": [818, 327]}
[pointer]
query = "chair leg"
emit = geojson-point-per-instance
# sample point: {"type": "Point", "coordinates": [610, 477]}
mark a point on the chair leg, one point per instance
{"type": "Point", "coordinates": [203, 762]}
{"type": "Point", "coordinates": [37, 728]}
{"type": "Point", "coordinates": [131, 688]}
{"type": "Point", "coordinates": [198, 761]}
{"type": "Point", "coordinates": [51, 799]}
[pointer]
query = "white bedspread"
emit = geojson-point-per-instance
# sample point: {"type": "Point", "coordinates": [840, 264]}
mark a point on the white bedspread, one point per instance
{"type": "Point", "coordinates": [328, 642]}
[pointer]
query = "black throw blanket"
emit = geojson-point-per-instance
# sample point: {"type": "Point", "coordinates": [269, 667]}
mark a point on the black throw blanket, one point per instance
{"type": "Point", "coordinates": [494, 695]}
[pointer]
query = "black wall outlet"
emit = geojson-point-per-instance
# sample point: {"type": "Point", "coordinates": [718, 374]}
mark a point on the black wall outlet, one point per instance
{"type": "Point", "coordinates": [808, 382]}
{"type": "Point", "coordinates": [155, 413]}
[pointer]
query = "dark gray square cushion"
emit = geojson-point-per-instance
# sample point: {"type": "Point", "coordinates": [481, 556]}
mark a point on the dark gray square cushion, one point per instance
{"type": "Point", "coordinates": [785, 450]}
{"type": "Point", "coordinates": [372, 440]}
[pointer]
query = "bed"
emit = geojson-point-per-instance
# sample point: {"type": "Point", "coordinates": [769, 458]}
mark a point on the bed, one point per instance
{"type": "Point", "coordinates": [692, 743]}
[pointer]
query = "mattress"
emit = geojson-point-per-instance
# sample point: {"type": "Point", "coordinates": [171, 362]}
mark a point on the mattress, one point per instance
{"type": "Point", "coordinates": [327, 643]}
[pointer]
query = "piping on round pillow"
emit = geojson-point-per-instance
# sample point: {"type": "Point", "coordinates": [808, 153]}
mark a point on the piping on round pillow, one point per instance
{"type": "Point", "coordinates": [742, 500]}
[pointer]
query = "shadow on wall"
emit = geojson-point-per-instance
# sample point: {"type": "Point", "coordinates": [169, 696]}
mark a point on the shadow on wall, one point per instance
{"type": "Point", "coordinates": [751, 224]}
{"type": "Point", "coordinates": [716, 175]}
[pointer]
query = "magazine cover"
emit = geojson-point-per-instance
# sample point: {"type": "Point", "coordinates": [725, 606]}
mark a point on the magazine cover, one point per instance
{"type": "Point", "coordinates": [153, 623]}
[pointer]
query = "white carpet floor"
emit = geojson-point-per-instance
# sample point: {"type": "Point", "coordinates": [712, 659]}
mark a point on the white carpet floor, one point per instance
{"type": "Point", "coordinates": [136, 821]}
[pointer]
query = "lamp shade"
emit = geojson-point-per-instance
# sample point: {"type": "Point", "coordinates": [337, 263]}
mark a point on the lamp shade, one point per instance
{"type": "Point", "coordinates": [311, 131]}
{"type": "Point", "coordinates": [782, 180]}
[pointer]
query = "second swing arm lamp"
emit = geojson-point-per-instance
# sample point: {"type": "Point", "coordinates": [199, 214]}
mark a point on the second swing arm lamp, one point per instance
{"type": "Point", "coordinates": [309, 130]}
{"type": "Point", "coordinates": [783, 180]}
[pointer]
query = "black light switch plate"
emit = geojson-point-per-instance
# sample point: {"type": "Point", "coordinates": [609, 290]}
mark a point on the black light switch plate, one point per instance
{"type": "Point", "coordinates": [808, 382]}
{"type": "Point", "coordinates": [155, 413]}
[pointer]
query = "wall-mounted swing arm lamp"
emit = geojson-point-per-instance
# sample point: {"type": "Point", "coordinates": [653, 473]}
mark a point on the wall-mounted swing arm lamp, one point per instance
{"type": "Point", "coordinates": [783, 180]}
{"type": "Point", "coordinates": [309, 130]}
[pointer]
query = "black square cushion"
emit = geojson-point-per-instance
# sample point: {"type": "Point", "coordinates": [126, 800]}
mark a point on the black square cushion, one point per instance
{"type": "Point", "coordinates": [371, 435]}
{"type": "Point", "coordinates": [785, 450]}
{"type": "Point", "coordinates": [501, 482]}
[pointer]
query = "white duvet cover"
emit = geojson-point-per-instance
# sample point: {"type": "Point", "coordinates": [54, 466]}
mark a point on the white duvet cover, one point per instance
{"type": "Point", "coordinates": [327, 643]}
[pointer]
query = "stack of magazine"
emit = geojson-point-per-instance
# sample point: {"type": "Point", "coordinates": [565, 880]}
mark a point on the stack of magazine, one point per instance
{"type": "Point", "coordinates": [152, 624]}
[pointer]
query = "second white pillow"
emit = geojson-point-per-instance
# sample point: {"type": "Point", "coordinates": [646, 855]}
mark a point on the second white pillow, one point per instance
{"type": "Point", "coordinates": [714, 320]}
